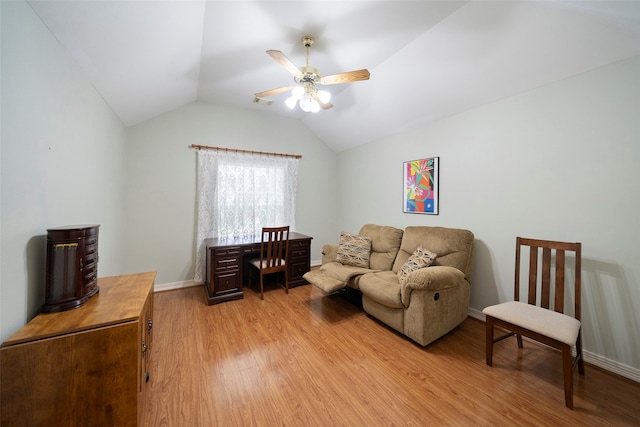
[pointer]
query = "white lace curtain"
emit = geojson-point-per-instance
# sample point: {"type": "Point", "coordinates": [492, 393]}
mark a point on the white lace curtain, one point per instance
{"type": "Point", "coordinates": [239, 193]}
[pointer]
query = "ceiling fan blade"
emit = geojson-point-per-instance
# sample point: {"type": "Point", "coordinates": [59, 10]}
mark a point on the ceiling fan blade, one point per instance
{"type": "Point", "coordinates": [349, 76]}
{"type": "Point", "coordinates": [273, 91]}
{"type": "Point", "coordinates": [285, 62]}
{"type": "Point", "coordinates": [320, 103]}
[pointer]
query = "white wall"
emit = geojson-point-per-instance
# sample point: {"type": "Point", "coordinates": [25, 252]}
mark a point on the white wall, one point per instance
{"type": "Point", "coordinates": [161, 195]}
{"type": "Point", "coordinates": [559, 163]}
{"type": "Point", "coordinates": [62, 156]}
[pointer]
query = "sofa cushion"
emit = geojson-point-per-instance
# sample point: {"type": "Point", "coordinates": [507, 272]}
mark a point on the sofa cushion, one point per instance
{"type": "Point", "coordinates": [382, 287]}
{"type": "Point", "coordinates": [385, 243]}
{"type": "Point", "coordinates": [453, 246]}
{"type": "Point", "coordinates": [354, 250]}
{"type": "Point", "coordinates": [420, 258]}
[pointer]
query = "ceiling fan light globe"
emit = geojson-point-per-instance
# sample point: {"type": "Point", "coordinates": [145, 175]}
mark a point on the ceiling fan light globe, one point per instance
{"type": "Point", "coordinates": [306, 103]}
{"type": "Point", "coordinates": [291, 102]}
{"type": "Point", "coordinates": [324, 96]}
{"type": "Point", "coordinates": [297, 92]}
{"type": "Point", "coordinates": [315, 107]}
{"type": "Point", "coordinates": [305, 107]}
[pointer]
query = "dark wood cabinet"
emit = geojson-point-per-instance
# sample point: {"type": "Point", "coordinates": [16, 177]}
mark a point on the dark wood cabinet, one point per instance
{"type": "Point", "coordinates": [226, 267]}
{"type": "Point", "coordinates": [223, 273]}
{"type": "Point", "coordinates": [83, 367]}
{"type": "Point", "coordinates": [72, 267]}
{"type": "Point", "coordinates": [299, 260]}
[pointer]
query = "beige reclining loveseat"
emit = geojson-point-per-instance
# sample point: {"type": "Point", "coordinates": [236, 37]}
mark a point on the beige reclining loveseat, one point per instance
{"type": "Point", "coordinates": [426, 302]}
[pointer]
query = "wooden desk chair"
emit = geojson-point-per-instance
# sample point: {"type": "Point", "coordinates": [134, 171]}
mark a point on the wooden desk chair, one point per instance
{"type": "Point", "coordinates": [273, 256]}
{"type": "Point", "coordinates": [541, 319]}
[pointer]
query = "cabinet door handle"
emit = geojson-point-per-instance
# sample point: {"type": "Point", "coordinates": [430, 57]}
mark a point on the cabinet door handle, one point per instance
{"type": "Point", "coordinates": [144, 349]}
{"type": "Point", "coordinates": [149, 324]}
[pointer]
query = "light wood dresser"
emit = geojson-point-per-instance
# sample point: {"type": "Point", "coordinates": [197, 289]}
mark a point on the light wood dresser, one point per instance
{"type": "Point", "coordinates": [82, 367]}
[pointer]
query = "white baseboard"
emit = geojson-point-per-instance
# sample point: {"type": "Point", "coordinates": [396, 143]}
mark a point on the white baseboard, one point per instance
{"type": "Point", "coordinates": [589, 357]}
{"type": "Point", "coordinates": [175, 285]}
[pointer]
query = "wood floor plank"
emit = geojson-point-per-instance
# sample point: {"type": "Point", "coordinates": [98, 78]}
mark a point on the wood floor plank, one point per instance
{"type": "Point", "coordinates": [310, 359]}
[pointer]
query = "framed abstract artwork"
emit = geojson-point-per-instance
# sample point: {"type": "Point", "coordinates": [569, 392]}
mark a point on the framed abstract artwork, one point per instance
{"type": "Point", "coordinates": [421, 186]}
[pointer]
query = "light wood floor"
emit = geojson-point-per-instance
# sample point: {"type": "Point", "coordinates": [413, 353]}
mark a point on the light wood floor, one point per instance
{"type": "Point", "coordinates": [306, 359]}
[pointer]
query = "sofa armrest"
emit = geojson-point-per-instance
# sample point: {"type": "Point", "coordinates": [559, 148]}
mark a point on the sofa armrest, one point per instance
{"type": "Point", "coordinates": [329, 253]}
{"type": "Point", "coordinates": [434, 278]}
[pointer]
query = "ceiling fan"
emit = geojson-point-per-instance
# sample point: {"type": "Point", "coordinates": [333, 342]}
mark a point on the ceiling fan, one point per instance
{"type": "Point", "coordinates": [305, 93]}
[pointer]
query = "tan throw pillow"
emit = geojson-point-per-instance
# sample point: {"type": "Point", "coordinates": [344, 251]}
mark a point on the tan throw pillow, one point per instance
{"type": "Point", "coordinates": [419, 259]}
{"type": "Point", "coordinates": [354, 250]}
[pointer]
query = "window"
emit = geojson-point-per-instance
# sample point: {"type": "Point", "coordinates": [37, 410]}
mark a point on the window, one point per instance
{"type": "Point", "coordinates": [239, 193]}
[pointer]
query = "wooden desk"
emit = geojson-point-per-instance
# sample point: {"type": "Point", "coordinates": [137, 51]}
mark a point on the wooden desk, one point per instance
{"type": "Point", "coordinates": [226, 264]}
{"type": "Point", "coordinates": [82, 367]}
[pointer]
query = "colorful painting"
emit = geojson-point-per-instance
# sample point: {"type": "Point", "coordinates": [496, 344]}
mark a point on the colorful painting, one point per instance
{"type": "Point", "coordinates": [421, 186]}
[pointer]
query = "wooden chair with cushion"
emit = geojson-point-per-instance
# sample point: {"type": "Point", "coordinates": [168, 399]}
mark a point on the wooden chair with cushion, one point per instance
{"type": "Point", "coordinates": [541, 318]}
{"type": "Point", "coordinates": [273, 256]}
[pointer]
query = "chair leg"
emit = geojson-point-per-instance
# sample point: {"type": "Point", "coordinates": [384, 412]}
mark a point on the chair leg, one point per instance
{"type": "Point", "coordinates": [489, 340]}
{"type": "Point", "coordinates": [519, 339]}
{"type": "Point", "coordinates": [567, 373]}
{"type": "Point", "coordinates": [579, 354]}
{"type": "Point", "coordinates": [261, 286]}
{"type": "Point", "coordinates": [286, 281]}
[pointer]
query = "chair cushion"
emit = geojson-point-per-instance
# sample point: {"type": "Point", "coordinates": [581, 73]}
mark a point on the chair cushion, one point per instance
{"type": "Point", "coordinates": [256, 263]}
{"type": "Point", "coordinates": [555, 325]}
{"type": "Point", "coordinates": [420, 258]}
{"type": "Point", "coordinates": [354, 250]}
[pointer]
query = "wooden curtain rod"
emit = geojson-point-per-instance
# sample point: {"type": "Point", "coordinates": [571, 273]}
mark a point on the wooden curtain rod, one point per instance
{"type": "Point", "coordinates": [235, 150]}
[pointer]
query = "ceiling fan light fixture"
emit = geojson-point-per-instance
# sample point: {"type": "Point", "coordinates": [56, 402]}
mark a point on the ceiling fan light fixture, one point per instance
{"type": "Point", "coordinates": [324, 96]}
{"type": "Point", "coordinates": [297, 92]}
{"type": "Point", "coordinates": [291, 102]}
{"type": "Point", "coordinates": [308, 104]}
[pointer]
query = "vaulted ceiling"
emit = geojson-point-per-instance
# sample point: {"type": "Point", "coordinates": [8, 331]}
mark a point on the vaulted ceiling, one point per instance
{"type": "Point", "coordinates": [428, 59]}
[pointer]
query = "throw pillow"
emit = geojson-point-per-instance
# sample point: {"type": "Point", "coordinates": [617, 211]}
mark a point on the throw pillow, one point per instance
{"type": "Point", "coordinates": [419, 259]}
{"type": "Point", "coordinates": [354, 250]}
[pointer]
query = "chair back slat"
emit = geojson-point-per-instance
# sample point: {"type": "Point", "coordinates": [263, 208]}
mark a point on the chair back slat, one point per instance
{"type": "Point", "coordinates": [559, 302]}
{"type": "Point", "coordinates": [546, 278]}
{"type": "Point", "coordinates": [544, 288]}
{"type": "Point", "coordinates": [533, 274]}
{"type": "Point", "coordinates": [578, 279]}
{"type": "Point", "coordinates": [516, 280]}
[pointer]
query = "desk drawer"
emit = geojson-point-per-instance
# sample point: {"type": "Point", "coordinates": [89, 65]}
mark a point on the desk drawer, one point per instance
{"type": "Point", "coordinates": [299, 244]}
{"type": "Point", "coordinates": [229, 251]}
{"type": "Point", "coordinates": [297, 269]}
{"type": "Point", "coordinates": [226, 282]}
{"type": "Point", "coordinates": [226, 264]}
{"type": "Point", "coordinates": [251, 249]}
{"type": "Point", "coordinates": [299, 250]}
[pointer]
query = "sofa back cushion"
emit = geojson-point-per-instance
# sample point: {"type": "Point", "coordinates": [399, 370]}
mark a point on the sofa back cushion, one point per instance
{"type": "Point", "coordinates": [385, 243]}
{"type": "Point", "coordinates": [453, 247]}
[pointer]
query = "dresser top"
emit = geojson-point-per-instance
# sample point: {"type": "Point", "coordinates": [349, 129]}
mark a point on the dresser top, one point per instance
{"type": "Point", "coordinates": [74, 227]}
{"type": "Point", "coordinates": [121, 299]}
